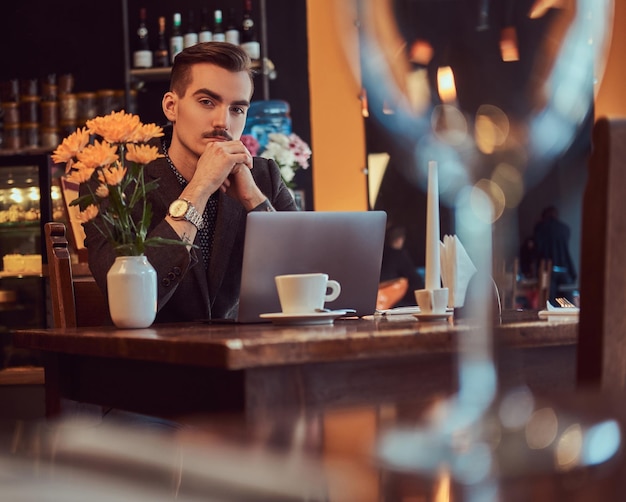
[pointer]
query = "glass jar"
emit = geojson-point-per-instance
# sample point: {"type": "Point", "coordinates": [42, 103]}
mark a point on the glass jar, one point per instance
{"type": "Point", "coordinates": [49, 87]}
{"type": "Point", "coordinates": [49, 137]}
{"type": "Point", "coordinates": [29, 109]}
{"type": "Point", "coordinates": [66, 83]}
{"type": "Point", "coordinates": [30, 134]}
{"type": "Point", "coordinates": [10, 91]}
{"type": "Point", "coordinates": [29, 87]}
{"type": "Point", "coordinates": [106, 101]}
{"type": "Point", "coordinates": [12, 139]}
{"type": "Point", "coordinates": [68, 107]}
{"type": "Point", "coordinates": [67, 127]}
{"type": "Point", "coordinates": [87, 106]}
{"type": "Point", "coordinates": [49, 114]}
{"type": "Point", "coordinates": [268, 116]}
{"type": "Point", "coordinates": [11, 112]}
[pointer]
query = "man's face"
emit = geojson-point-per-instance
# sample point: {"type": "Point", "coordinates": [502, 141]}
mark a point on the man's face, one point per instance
{"type": "Point", "coordinates": [214, 107]}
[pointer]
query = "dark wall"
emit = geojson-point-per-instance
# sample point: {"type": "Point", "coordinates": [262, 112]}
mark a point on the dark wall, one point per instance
{"type": "Point", "coordinates": [86, 39]}
{"type": "Point", "coordinates": [59, 37]}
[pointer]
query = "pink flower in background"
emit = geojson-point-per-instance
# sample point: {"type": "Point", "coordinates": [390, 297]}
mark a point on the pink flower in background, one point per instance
{"type": "Point", "coordinates": [251, 143]}
{"type": "Point", "coordinates": [300, 149]}
{"type": "Point", "coordinates": [290, 152]}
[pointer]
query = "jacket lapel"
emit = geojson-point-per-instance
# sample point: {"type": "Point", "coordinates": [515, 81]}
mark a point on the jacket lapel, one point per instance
{"type": "Point", "coordinates": [229, 214]}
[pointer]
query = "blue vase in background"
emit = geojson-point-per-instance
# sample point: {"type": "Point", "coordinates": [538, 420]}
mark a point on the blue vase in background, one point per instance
{"type": "Point", "coordinates": [268, 116]}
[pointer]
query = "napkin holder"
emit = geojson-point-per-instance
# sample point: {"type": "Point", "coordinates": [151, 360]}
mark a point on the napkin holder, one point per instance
{"type": "Point", "coordinates": [457, 270]}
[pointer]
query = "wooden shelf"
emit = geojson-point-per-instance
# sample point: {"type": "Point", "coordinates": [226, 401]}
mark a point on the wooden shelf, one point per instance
{"type": "Point", "coordinates": [22, 375]}
{"type": "Point", "coordinates": [150, 74]}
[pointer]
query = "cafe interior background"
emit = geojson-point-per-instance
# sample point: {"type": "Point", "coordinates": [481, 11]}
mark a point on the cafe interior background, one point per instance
{"type": "Point", "coordinates": [321, 65]}
{"type": "Point", "coordinates": [319, 60]}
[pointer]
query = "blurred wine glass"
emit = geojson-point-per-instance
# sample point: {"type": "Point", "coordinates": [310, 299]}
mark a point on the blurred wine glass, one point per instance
{"type": "Point", "coordinates": [495, 92]}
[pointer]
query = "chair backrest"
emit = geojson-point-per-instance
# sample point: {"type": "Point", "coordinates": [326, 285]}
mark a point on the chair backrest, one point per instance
{"type": "Point", "coordinates": [76, 301]}
{"type": "Point", "coordinates": [505, 278]}
{"type": "Point", "coordinates": [391, 292]}
{"type": "Point", "coordinates": [602, 324]}
{"type": "Point", "coordinates": [544, 278]}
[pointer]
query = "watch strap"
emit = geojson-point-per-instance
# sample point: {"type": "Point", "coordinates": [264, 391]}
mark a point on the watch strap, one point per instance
{"type": "Point", "coordinates": [193, 216]}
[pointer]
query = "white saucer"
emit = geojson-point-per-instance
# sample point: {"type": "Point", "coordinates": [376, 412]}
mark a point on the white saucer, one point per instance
{"type": "Point", "coordinates": [312, 318]}
{"type": "Point", "coordinates": [423, 316]}
{"type": "Point", "coordinates": [563, 312]}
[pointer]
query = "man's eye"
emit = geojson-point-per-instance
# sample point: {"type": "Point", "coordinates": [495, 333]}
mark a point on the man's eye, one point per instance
{"type": "Point", "coordinates": [238, 110]}
{"type": "Point", "coordinates": [206, 102]}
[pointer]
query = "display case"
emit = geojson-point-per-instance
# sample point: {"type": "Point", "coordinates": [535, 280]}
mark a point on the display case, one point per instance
{"type": "Point", "coordinates": [28, 199]}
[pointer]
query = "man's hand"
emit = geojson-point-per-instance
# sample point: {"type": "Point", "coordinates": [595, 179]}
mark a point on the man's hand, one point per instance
{"type": "Point", "coordinates": [225, 165]}
{"type": "Point", "coordinates": [218, 161]}
{"type": "Point", "coordinates": [241, 186]}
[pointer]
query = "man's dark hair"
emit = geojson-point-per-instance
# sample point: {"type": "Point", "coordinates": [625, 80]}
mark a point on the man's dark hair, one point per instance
{"type": "Point", "coordinates": [223, 54]}
{"type": "Point", "coordinates": [550, 213]}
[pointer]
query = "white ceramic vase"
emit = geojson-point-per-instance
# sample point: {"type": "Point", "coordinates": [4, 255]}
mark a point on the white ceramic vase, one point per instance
{"type": "Point", "coordinates": [132, 292]}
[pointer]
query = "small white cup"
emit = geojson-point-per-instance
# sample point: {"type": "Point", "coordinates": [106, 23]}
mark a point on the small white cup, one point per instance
{"type": "Point", "coordinates": [432, 301]}
{"type": "Point", "coordinates": [305, 293]}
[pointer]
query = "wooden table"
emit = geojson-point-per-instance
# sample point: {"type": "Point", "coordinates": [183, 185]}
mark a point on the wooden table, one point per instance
{"type": "Point", "coordinates": [182, 369]}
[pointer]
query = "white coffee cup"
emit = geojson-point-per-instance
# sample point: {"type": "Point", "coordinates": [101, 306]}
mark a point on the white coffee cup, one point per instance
{"type": "Point", "coordinates": [432, 301]}
{"type": "Point", "coordinates": [305, 293]}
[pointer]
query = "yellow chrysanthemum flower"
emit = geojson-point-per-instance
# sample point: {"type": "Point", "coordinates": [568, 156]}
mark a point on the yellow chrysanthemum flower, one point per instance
{"type": "Point", "coordinates": [80, 173]}
{"type": "Point", "coordinates": [142, 154]}
{"type": "Point", "coordinates": [102, 191]}
{"type": "Point", "coordinates": [99, 154]}
{"type": "Point", "coordinates": [71, 145]}
{"type": "Point", "coordinates": [90, 212]}
{"type": "Point", "coordinates": [117, 127]}
{"type": "Point", "coordinates": [121, 138]}
{"type": "Point", "coordinates": [146, 132]}
{"type": "Point", "coordinates": [112, 175]}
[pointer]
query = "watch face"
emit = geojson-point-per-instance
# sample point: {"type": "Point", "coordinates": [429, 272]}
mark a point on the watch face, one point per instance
{"type": "Point", "coordinates": [178, 208]}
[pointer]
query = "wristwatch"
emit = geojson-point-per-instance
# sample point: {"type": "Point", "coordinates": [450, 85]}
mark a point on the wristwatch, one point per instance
{"type": "Point", "coordinates": [182, 209]}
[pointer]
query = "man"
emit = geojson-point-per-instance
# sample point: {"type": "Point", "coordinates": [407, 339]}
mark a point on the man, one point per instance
{"type": "Point", "coordinates": [397, 263]}
{"type": "Point", "coordinates": [208, 182]}
{"type": "Point", "coordinates": [552, 243]}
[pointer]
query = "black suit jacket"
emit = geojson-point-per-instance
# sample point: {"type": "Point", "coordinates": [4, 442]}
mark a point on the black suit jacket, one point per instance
{"type": "Point", "coordinates": [552, 243]}
{"type": "Point", "coordinates": [186, 291]}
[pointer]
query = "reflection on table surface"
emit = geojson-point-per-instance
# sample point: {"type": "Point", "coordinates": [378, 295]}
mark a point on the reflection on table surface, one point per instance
{"type": "Point", "coordinates": [528, 447]}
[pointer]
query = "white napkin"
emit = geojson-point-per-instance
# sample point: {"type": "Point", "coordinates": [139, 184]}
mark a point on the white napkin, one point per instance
{"type": "Point", "coordinates": [457, 269]}
{"type": "Point", "coordinates": [552, 312]}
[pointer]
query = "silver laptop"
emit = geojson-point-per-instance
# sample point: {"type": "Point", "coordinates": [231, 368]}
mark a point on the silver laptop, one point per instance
{"type": "Point", "coordinates": [348, 246]}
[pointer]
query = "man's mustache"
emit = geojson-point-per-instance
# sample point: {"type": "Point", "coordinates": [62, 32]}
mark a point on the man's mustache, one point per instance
{"type": "Point", "coordinates": [219, 133]}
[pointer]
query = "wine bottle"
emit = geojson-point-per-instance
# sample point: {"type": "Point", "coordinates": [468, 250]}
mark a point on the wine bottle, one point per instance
{"type": "Point", "coordinates": [249, 42]}
{"type": "Point", "coordinates": [161, 54]}
{"type": "Point", "coordinates": [191, 35]}
{"type": "Point", "coordinates": [142, 56]}
{"type": "Point", "coordinates": [218, 29]}
{"type": "Point", "coordinates": [232, 32]}
{"type": "Point", "coordinates": [205, 34]}
{"type": "Point", "coordinates": [176, 37]}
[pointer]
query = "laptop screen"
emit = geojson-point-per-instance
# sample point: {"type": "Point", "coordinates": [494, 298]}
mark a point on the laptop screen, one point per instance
{"type": "Point", "coordinates": [347, 245]}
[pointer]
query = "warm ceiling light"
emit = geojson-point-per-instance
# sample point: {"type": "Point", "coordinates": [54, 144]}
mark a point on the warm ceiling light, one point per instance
{"type": "Point", "coordinates": [365, 110]}
{"type": "Point", "coordinates": [540, 7]}
{"type": "Point", "coordinates": [508, 44]}
{"type": "Point", "coordinates": [445, 84]}
{"type": "Point", "coordinates": [421, 52]}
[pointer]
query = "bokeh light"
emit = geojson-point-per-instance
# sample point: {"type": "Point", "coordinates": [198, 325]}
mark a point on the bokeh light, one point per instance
{"type": "Point", "coordinates": [541, 429]}
{"type": "Point", "coordinates": [437, 71]}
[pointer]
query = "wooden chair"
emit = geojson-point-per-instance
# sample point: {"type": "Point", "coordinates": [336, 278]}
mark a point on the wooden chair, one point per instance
{"type": "Point", "coordinates": [76, 301]}
{"type": "Point", "coordinates": [391, 292]}
{"type": "Point", "coordinates": [505, 279]}
{"type": "Point", "coordinates": [544, 278]}
{"type": "Point", "coordinates": [601, 359]}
